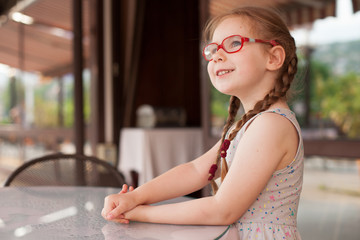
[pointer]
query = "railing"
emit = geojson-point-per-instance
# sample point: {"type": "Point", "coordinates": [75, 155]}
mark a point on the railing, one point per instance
{"type": "Point", "coordinates": [21, 144]}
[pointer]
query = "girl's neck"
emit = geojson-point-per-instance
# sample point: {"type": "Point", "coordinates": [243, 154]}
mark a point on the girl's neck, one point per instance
{"type": "Point", "coordinates": [250, 105]}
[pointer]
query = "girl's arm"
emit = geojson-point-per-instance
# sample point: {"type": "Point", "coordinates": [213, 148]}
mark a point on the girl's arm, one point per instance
{"type": "Point", "coordinates": [179, 181]}
{"type": "Point", "coordinates": [260, 152]}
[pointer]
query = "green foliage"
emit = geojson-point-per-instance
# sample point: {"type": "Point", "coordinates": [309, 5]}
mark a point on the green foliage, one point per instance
{"type": "Point", "coordinates": [45, 106]}
{"type": "Point", "coordinates": [338, 99]}
{"type": "Point", "coordinates": [69, 112]}
{"type": "Point", "coordinates": [219, 103]}
{"type": "Point", "coordinates": [334, 86]}
{"type": "Point", "coordinates": [87, 104]}
{"type": "Point", "coordinates": [45, 113]}
{"type": "Point", "coordinates": [12, 97]}
{"type": "Point", "coordinates": [320, 78]}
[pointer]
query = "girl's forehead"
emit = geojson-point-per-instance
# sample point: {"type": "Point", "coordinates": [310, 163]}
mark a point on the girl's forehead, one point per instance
{"type": "Point", "coordinates": [235, 25]}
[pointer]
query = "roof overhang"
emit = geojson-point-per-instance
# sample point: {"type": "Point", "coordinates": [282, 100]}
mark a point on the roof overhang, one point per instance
{"type": "Point", "coordinates": [45, 45]}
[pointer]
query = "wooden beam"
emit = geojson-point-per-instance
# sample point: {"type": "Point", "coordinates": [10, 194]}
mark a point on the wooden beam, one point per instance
{"type": "Point", "coordinates": [78, 69]}
{"type": "Point", "coordinates": [96, 66]}
{"type": "Point", "coordinates": [332, 148]}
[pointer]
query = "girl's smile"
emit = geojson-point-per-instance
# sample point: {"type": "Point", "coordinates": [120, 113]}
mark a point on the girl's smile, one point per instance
{"type": "Point", "coordinates": [222, 72]}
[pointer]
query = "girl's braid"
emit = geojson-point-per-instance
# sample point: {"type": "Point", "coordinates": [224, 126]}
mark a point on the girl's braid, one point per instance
{"type": "Point", "coordinates": [234, 105]}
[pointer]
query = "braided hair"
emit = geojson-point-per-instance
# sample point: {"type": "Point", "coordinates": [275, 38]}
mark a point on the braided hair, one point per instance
{"type": "Point", "coordinates": [267, 24]}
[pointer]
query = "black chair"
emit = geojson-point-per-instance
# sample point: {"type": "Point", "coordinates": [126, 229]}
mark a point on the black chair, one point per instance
{"type": "Point", "coordinates": [65, 170]}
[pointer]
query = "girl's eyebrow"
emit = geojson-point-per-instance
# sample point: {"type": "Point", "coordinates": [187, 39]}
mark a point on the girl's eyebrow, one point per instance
{"type": "Point", "coordinates": [217, 41]}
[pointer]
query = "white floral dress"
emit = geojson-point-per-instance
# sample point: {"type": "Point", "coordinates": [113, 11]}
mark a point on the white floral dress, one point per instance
{"type": "Point", "coordinates": [273, 214]}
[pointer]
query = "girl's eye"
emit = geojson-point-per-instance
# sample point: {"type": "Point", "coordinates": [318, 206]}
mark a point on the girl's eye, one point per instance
{"type": "Point", "coordinates": [232, 44]}
{"type": "Point", "coordinates": [213, 49]}
{"type": "Point", "coordinates": [235, 44]}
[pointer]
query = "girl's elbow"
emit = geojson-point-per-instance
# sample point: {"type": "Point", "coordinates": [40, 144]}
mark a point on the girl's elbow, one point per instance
{"type": "Point", "coordinates": [228, 219]}
{"type": "Point", "coordinates": [226, 216]}
{"type": "Point", "coordinates": [224, 213]}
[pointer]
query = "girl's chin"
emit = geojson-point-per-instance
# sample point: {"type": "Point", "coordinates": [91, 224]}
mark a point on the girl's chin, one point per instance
{"type": "Point", "coordinates": [224, 88]}
{"type": "Point", "coordinates": [225, 91]}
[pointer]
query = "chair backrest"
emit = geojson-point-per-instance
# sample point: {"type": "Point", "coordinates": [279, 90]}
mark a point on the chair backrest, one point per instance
{"type": "Point", "coordinates": [65, 170]}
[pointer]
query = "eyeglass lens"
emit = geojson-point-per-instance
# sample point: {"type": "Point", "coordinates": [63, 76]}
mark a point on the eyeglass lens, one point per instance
{"type": "Point", "coordinates": [230, 45]}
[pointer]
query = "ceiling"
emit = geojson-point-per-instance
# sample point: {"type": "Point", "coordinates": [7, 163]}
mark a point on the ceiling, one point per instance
{"type": "Point", "coordinates": [296, 12]}
{"type": "Point", "coordinates": [46, 45]}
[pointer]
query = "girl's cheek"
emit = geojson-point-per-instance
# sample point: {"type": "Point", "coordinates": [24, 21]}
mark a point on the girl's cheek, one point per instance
{"type": "Point", "coordinates": [210, 69]}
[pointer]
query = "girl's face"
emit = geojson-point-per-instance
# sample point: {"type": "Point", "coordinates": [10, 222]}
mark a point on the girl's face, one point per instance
{"type": "Point", "coordinates": [240, 73]}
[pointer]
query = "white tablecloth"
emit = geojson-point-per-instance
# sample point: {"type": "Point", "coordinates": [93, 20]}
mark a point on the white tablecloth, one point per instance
{"type": "Point", "coordinates": [151, 152]}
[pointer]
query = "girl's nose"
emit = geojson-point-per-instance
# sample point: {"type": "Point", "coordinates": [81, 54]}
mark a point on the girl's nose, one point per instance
{"type": "Point", "coordinates": [219, 55]}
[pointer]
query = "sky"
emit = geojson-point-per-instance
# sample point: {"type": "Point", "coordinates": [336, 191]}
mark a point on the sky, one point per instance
{"type": "Point", "coordinates": [344, 27]}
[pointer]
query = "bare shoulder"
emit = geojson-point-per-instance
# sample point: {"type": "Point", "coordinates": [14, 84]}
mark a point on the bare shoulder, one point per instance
{"type": "Point", "coordinates": [272, 123]}
{"type": "Point", "coordinates": [275, 132]}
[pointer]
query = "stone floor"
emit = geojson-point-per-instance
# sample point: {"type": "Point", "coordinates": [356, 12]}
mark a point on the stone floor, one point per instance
{"type": "Point", "coordinates": [330, 201]}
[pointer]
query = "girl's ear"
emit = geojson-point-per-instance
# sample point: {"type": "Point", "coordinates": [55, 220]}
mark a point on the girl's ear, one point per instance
{"type": "Point", "coordinates": [276, 58]}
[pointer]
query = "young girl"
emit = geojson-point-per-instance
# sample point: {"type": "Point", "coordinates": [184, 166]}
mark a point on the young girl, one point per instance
{"type": "Point", "coordinates": [252, 58]}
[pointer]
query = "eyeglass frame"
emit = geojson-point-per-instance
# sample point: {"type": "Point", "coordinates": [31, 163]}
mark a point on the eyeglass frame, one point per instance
{"type": "Point", "coordinates": [243, 39]}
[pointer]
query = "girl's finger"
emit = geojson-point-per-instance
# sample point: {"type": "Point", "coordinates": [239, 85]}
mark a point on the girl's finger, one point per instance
{"type": "Point", "coordinates": [124, 189]}
{"type": "Point", "coordinates": [114, 214]}
{"type": "Point", "coordinates": [109, 205]}
{"type": "Point", "coordinates": [123, 221]}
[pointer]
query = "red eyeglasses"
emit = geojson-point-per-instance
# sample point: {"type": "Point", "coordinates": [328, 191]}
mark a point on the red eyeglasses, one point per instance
{"type": "Point", "coordinates": [231, 44]}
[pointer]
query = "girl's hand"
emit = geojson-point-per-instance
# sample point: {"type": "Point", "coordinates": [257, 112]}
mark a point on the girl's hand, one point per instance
{"type": "Point", "coordinates": [116, 205]}
{"type": "Point", "coordinates": [125, 189]}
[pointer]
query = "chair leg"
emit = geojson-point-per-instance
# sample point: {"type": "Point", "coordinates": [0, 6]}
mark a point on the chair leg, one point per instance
{"type": "Point", "coordinates": [134, 178]}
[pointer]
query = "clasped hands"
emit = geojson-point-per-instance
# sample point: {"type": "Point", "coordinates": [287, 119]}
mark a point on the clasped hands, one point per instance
{"type": "Point", "coordinates": [116, 205]}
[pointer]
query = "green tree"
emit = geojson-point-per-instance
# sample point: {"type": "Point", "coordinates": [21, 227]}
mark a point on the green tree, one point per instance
{"type": "Point", "coordinates": [219, 103]}
{"type": "Point", "coordinates": [46, 105]}
{"type": "Point", "coordinates": [336, 98]}
{"type": "Point", "coordinates": [13, 99]}
{"type": "Point", "coordinates": [340, 101]}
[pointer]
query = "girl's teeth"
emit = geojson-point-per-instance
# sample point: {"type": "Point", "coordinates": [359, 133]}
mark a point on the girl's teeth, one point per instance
{"type": "Point", "coordinates": [223, 72]}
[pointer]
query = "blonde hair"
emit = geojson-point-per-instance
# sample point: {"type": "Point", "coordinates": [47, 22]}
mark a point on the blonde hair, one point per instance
{"type": "Point", "coordinates": [266, 24]}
